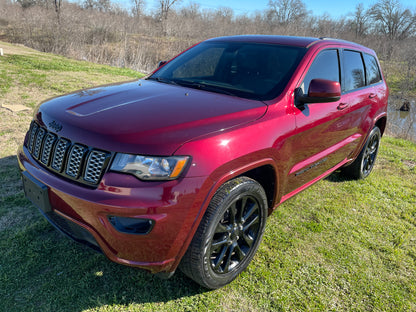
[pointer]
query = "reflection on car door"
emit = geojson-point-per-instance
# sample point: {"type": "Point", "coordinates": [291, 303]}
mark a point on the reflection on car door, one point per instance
{"type": "Point", "coordinates": [324, 136]}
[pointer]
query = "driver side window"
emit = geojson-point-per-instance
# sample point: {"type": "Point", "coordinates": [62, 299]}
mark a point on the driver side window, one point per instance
{"type": "Point", "coordinates": [324, 66]}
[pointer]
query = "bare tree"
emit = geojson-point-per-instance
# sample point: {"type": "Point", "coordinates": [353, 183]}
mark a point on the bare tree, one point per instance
{"type": "Point", "coordinates": [58, 4]}
{"type": "Point", "coordinates": [137, 8]}
{"type": "Point", "coordinates": [100, 5]}
{"type": "Point", "coordinates": [360, 21]}
{"type": "Point", "coordinates": [286, 11]}
{"type": "Point", "coordinates": [192, 11]}
{"type": "Point", "coordinates": [164, 8]}
{"type": "Point", "coordinates": [393, 20]}
{"type": "Point", "coordinates": [26, 3]}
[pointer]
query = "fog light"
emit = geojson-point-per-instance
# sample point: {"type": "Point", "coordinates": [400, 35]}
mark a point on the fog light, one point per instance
{"type": "Point", "coordinates": [131, 225]}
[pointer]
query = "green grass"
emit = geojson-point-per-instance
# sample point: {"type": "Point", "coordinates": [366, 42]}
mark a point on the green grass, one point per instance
{"type": "Point", "coordinates": [48, 62]}
{"type": "Point", "coordinates": [338, 246]}
{"type": "Point", "coordinates": [399, 76]}
{"type": "Point", "coordinates": [53, 74]}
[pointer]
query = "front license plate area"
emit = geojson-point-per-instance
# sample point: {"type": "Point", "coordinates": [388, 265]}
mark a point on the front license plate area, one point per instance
{"type": "Point", "coordinates": [36, 192]}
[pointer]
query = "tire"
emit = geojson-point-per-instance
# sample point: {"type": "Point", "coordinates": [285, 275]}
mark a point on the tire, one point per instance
{"type": "Point", "coordinates": [229, 234]}
{"type": "Point", "coordinates": [364, 163]}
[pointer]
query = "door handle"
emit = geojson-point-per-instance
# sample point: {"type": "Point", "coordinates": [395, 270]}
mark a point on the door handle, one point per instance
{"type": "Point", "coordinates": [372, 95]}
{"type": "Point", "coordinates": [342, 106]}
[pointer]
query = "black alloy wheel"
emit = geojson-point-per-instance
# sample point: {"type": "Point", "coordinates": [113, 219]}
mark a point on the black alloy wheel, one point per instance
{"type": "Point", "coordinates": [365, 161]}
{"type": "Point", "coordinates": [235, 234]}
{"type": "Point", "coordinates": [228, 235]}
{"type": "Point", "coordinates": [370, 154]}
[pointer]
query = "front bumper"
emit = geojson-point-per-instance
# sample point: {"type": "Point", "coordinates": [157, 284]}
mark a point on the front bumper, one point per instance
{"type": "Point", "coordinates": [85, 214]}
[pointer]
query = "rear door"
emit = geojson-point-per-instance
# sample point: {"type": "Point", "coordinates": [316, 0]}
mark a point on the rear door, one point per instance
{"type": "Point", "coordinates": [362, 89]}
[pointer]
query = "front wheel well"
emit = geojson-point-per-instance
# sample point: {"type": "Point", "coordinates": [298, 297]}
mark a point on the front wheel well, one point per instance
{"type": "Point", "coordinates": [266, 176]}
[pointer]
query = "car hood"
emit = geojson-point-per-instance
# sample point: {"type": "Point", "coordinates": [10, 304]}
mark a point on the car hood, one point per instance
{"type": "Point", "coordinates": [144, 117]}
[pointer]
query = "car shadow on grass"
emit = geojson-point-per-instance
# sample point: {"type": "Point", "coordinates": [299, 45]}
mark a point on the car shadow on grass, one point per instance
{"type": "Point", "coordinates": [338, 177]}
{"type": "Point", "coordinates": [42, 270]}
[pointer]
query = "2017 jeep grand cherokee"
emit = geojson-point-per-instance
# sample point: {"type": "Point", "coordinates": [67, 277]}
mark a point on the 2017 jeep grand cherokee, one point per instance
{"type": "Point", "coordinates": [182, 168]}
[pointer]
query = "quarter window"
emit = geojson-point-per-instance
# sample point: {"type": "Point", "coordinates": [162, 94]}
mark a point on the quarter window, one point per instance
{"type": "Point", "coordinates": [354, 71]}
{"type": "Point", "coordinates": [372, 69]}
{"type": "Point", "coordinates": [325, 66]}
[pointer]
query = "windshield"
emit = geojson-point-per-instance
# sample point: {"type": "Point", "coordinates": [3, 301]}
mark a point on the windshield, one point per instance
{"type": "Point", "coordinates": [248, 70]}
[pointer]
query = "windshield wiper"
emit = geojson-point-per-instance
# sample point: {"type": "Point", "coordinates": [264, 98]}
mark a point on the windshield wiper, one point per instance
{"type": "Point", "coordinates": [203, 86]}
{"type": "Point", "coordinates": [163, 80]}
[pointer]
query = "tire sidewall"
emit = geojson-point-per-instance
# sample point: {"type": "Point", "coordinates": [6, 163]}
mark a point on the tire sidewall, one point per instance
{"type": "Point", "coordinates": [374, 132]}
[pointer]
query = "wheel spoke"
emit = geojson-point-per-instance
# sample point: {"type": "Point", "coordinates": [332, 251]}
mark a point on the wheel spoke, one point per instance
{"type": "Point", "coordinates": [256, 220]}
{"type": "Point", "coordinates": [371, 160]}
{"type": "Point", "coordinates": [365, 164]}
{"type": "Point", "coordinates": [221, 228]}
{"type": "Point", "coordinates": [248, 239]}
{"type": "Point", "coordinates": [373, 147]}
{"type": "Point", "coordinates": [243, 203]}
{"type": "Point", "coordinates": [220, 258]}
{"type": "Point", "coordinates": [240, 253]}
{"type": "Point", "coordinates": [217, 244]}
{"type": "Point", "coordinates": [228, 260]}
{"type": "Point", "coordinates": [249, 213]}
{"type": "Point", "coordinates": [233, 213]}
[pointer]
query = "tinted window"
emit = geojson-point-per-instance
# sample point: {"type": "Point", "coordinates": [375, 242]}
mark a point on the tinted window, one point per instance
{"type": "Point", "coordinates": [354, 71]}
{"type": "Point", "coordinates": [325, 66]}
{"type": "Point", "coordinates": [372, 70]}
{"type": "Point", "coordinates": [249, 70]}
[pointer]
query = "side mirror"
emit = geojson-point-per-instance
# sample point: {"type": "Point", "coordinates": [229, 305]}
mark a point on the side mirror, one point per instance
{"type": "Point", "coordinates": [320, 91]}
{"type": "Point", "coordinates": [161, 63]}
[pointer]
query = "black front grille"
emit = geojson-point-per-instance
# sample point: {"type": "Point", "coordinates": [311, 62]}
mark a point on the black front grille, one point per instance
{"type": "Point", "coordinates": [72, 160]}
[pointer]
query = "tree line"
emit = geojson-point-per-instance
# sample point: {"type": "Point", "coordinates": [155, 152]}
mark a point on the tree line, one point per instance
{"type": "Point", "coordinates": [101, 31]}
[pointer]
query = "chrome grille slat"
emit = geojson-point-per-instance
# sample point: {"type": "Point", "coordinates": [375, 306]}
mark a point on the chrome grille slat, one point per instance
{"type": "Point", "coordinates": [74, 162]}
{"type": "Point", "coordinates": [81, 163]}
{"type": "Point", "coordinates": [38, 142]}
{"type": "Point", "coordinates": [47, 148]}
{"type": "Point", "coordinates": [58, 156]}
{"type": "Point", "coordinates": [95, 164]}
{"type": "Point", "coordinates": [32, 136]}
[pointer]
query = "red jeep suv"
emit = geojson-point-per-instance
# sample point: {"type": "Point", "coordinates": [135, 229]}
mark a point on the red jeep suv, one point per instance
{"type": "Point", "coordinates": [182, 168]}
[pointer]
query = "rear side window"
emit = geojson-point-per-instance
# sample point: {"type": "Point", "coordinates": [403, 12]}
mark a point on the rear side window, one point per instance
{"type": "Point", "coordinates": [372, 69]}
{"type": "Point", "coordinates": [324, 66]}
{"type": "Point", "coordinates": [353, 71]}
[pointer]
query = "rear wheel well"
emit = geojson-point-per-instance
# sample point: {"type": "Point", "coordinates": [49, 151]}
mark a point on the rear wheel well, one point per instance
{"type": "Point", "coordinates": [266, 176]}
{"type": "Point", "coordinates": [381, 124]}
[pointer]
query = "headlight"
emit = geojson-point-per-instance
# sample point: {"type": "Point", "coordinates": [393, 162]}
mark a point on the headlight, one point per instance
{"type": "Point", "coordinates": [149, 167]}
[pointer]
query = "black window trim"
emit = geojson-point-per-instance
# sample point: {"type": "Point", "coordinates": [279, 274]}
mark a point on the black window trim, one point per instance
{"type": "Point", "coordinates": [365, 68]}
{"type": "Point", "coordinates": [306, 71]}
{"type": "Point", "coordinates": [343, 70]}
